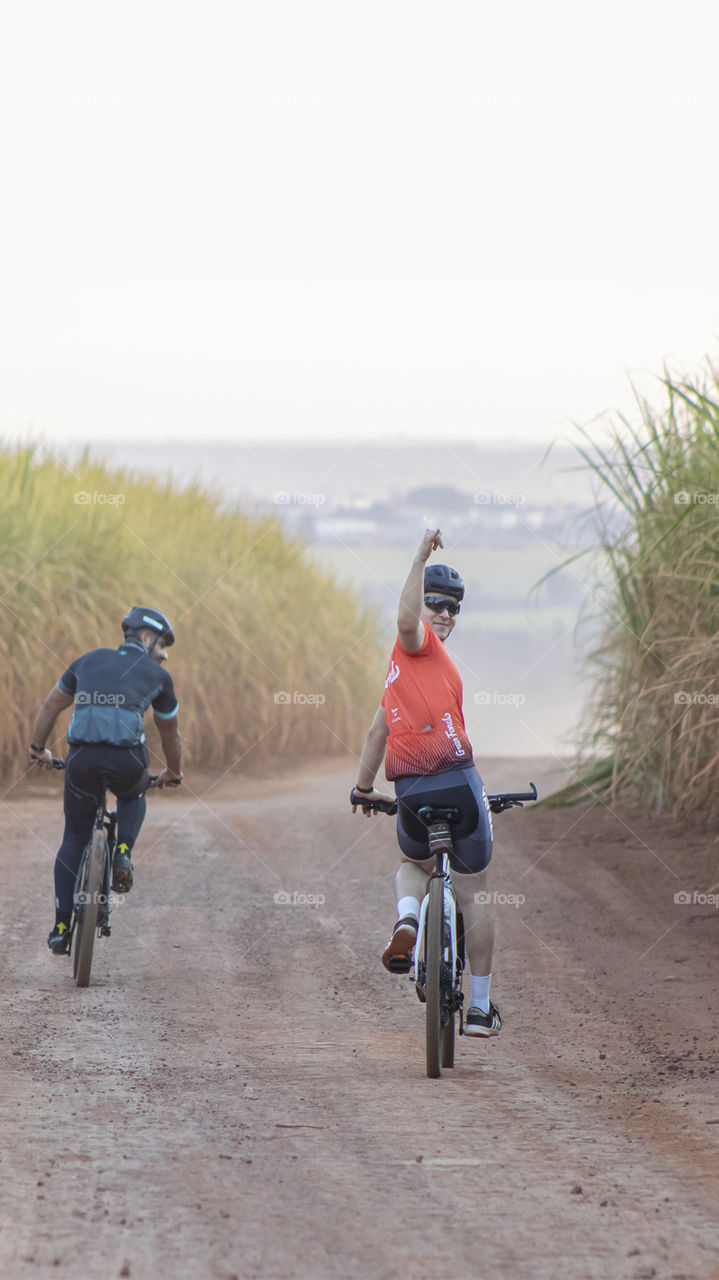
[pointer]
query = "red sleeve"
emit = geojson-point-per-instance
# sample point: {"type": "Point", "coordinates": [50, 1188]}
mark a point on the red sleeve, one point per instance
{"type": "Point", "coordinates": [426, 644]}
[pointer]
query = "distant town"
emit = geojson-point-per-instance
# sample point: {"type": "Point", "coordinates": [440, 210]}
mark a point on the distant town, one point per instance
{"type": "Point", "coordinates": [500, 519]}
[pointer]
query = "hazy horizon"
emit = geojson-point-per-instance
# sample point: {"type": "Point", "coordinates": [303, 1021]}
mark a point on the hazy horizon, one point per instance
{"type": "Point", "coordinates": [342, 471]}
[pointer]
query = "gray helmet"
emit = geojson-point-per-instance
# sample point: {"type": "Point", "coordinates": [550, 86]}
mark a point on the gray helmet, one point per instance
{"type": "Point", "coordinates": [141, 618]}
{"type": "Point", "coordinates": [440, 580]}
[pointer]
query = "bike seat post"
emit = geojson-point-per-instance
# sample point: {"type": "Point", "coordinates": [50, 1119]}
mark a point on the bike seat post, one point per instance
{"type": "Point", "coordinates": [440, 839]}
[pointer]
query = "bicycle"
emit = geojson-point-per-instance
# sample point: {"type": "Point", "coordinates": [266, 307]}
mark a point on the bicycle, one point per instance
{"type": "Point", "coordinates": [92, 895]}
{"type": "Point", "coordinates": [439, 948]}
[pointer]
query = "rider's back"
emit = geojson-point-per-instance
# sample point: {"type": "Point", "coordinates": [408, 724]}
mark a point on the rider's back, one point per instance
{"type": "Point", "coordinates": [113, 689]}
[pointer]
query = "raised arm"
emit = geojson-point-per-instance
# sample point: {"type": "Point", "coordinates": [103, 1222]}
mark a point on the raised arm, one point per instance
{"type": "Point", "coordinates": [409, 624]}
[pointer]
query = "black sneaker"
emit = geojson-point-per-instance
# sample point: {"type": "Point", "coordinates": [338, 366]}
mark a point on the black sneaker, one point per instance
{"type": "Point", "coordinates": [477, 1023]}
{"type": "Point", "coordinates": [397, 954]}
{"type": "Point", "coordinates": [59, 940]}
{"type": "Point", "coordinates": [122, 870]}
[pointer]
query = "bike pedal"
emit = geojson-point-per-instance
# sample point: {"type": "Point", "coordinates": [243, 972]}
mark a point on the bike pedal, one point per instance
{"type": "Point", "coordinates": [399, 964]}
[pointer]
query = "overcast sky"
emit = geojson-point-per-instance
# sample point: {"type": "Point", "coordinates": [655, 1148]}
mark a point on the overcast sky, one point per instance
{"type": "Point", "coordinates": [321, 219]}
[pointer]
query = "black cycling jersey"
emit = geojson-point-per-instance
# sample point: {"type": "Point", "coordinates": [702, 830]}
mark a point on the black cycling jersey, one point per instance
{"type": "Point", "coordinates": [113, 689]}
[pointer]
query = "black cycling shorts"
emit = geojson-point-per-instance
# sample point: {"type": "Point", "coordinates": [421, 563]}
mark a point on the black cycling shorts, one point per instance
{"type": "Point", "coordinates": [461, 789]}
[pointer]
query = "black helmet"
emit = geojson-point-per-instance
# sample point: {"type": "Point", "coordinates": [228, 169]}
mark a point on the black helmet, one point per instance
{"type": "Point", "coordinates": [440, 580]}
{"type": "Point", "coordinates": [141, 618]}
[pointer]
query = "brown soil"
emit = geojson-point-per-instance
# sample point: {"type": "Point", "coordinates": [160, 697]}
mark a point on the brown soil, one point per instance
{"type": "Point", "coordinates": [241, 1091]}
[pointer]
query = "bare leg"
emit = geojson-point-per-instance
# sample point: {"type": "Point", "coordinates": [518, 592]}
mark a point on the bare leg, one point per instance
{"type": "Point", "coordinates": [478, 923]}
{"type": "Point", "coordinates": [410, 882]}
{"type": "Point", "coordinates": [412, 877]}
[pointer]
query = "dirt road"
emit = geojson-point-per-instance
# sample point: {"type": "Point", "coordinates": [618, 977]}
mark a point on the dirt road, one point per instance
{"type": "Point", "coordinates": [241, 1091]}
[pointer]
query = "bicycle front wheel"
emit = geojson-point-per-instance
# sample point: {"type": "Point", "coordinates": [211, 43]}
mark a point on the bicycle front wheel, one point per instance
{"type": "Point", "coordinates": [91, 886]}
{"type": "Point", "coordinates": [433, 976]}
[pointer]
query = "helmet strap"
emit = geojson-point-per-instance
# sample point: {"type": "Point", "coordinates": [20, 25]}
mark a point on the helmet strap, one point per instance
{"type": "Point", "coordinates": [151, 651]}
{"type": "Point", "coordinates": [135, 636]}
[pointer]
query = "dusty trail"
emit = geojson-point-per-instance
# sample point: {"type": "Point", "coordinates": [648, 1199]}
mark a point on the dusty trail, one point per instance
{"type": "Point", "coordinates": [241, 1092]}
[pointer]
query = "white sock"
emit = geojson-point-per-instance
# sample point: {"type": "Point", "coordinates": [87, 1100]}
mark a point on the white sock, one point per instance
{"type": "Point", "coordinates": [408, 907]}
{"type": "Point", "coordinates": [480, 993]}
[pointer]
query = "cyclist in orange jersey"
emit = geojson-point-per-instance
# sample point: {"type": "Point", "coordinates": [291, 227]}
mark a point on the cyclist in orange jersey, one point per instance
{"type": "Point", "coordinates": [420, 726]}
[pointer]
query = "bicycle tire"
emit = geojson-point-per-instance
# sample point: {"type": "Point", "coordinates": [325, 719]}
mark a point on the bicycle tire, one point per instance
{"type": "Point", "coordinates": [433, 985]}
{"type": "Point", "coordinates": [449, 1041]}
{"type": "Point", "coordinates": [91, 886]}
{"type": "Point", "coordinates": [448, 1034]}
{"type": "Point", "coordinates": [78, 925]}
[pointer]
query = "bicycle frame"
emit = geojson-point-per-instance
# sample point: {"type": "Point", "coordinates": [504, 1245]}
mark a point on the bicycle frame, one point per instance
{"type": "Point", "coordinates": [449, 912]}
{"type": "Point", "coordinates": [438, 962]}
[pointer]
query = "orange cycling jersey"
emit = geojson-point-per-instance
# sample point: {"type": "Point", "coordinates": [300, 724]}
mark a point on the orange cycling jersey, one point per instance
{"type": "Point", "coordinates": [423, 709]}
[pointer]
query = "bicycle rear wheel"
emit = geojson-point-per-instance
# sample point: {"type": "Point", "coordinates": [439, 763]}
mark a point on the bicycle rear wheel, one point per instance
{"type": "Point", "coordinates": [91, 885]}
{"type": "Point", "coordinates": [448, 1034]}
{"type": "Point", "coordinates": [457, 964]}
{"type": "Point", "coordinates": [433, 972]}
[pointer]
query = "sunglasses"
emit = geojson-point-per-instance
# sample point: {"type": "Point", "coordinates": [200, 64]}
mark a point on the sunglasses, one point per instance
{"type": "Point", "coordinates": [439, 603]}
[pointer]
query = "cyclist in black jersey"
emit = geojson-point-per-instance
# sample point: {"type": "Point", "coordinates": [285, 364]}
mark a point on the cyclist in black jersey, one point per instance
{"type": "Point", "coordinates": [111, 690]}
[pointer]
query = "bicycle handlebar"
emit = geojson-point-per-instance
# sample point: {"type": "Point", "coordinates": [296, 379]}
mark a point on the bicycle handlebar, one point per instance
{"type": "Point", "coordinates": [376, 806]}
{"type": "Point", "coordinates": [508, 799]}
{"type": "Point", "coordinates": [497, 803]}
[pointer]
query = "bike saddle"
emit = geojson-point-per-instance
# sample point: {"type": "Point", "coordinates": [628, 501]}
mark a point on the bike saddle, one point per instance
{"type": "Point", "coordinates": [431, 814]}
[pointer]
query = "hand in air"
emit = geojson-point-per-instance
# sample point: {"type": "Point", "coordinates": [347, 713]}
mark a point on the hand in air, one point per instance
{"type": "Point", "coordinates": [431, 541]}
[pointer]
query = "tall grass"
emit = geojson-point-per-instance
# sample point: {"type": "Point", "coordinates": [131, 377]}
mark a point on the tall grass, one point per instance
{"type": "Point", "coordinates": [253, 616]}
{"type": "Point", "coordinates": [652, 729]}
